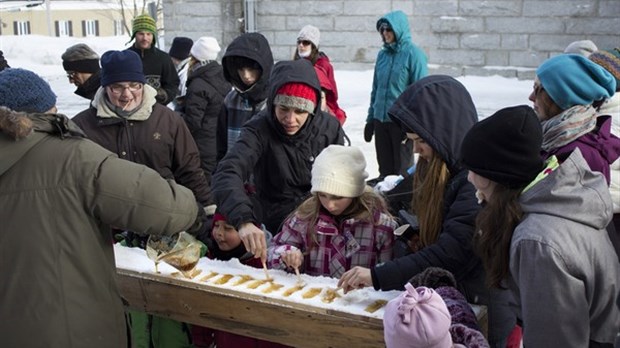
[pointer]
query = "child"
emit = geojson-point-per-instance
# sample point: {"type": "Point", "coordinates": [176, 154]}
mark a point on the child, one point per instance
{"type": "Point", "coordinates": [418, 318]}
{"type": "Point", "coordinates": [224, 244]}
{"type": "Point", "coordinates": [344, 224]}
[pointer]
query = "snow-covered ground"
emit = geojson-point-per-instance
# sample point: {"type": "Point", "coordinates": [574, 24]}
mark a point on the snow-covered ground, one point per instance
{"type": "Point", "coordinates": [41, 54]}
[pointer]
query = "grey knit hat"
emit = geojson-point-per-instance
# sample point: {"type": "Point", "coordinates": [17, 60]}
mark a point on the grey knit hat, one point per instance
{"type": "Point", "coordinates": [80, 58]}
{"type": "Point", "coordinates": [310, 33]}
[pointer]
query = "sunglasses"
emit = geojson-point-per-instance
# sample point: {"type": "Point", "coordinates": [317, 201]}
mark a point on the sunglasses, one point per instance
{"type": "Point", "coordinates": [385, 27]}
{"type": "Point", "coordinates": [304, 42]}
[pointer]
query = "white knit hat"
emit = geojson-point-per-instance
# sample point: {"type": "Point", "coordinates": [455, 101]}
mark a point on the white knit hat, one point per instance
{"type": "Point", "coordinates": [310, 33]}
{"type": "Point", "coordinates": [340, 171]}
{"type": "Point", "coordinates": [582, 47]}
{"type": "Point", "coordinates": [205, 48]}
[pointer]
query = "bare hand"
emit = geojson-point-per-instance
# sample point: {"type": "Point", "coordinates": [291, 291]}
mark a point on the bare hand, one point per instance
{"type": "Point", "coordinates": [254, 240]}
{"type": "Point", "coordinates": [293, 258]}
{"type": "Point", "coordinates": [355, 278]}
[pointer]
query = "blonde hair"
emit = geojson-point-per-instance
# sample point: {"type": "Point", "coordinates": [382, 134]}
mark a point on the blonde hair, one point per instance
{"type": "Point", "coordinates": [361, 208]}
{"type": "Point", "coordinates": [429, 185]}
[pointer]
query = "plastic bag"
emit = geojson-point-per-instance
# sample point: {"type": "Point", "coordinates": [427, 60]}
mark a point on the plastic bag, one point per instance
{"type": "Point", "coordinates": [181, 251]}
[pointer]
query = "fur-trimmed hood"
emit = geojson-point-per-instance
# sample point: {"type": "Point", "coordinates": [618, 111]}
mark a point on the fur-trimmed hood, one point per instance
{"type": "Point", "coordinates": [29, 129]}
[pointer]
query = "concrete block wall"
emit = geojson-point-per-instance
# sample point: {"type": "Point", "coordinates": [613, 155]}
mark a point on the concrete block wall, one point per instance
{"type": "Point", "coordinates": [480, 37]}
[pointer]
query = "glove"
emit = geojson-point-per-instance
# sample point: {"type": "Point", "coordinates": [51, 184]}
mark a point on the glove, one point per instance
{"type": "Point", "coordinates": [369, 130]}
{"type": "Point", "coordinates": [161, 95]}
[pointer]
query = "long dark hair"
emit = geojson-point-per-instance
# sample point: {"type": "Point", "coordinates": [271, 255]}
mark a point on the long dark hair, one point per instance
{"type": "Point", "coordinates": [495, 225]}
{"type": "Point", "coordinates": [429, 184]}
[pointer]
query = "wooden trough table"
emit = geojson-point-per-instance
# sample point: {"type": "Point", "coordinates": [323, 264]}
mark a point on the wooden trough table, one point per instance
{"type": "Point", "coordinates": [281, 321]}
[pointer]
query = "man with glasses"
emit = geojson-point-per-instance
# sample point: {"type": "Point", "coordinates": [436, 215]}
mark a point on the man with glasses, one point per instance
{"type": "Point", "coordinates": [125, 118]}
{"type": "Point", "coordinates": [82, 66]}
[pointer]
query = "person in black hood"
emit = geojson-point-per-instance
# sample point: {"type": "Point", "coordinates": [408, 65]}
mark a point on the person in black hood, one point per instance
{"type": "Point", "coordinates": [277, 147]}
{"type": "Point", "coordinates": [247, 65]}
{"type": "Point", "coordinates": [436, 112]}
{"type": "Point", "coordinates": [3, 63]}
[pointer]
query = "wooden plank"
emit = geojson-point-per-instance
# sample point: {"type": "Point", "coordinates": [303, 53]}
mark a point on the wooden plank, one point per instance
{"type": "Point", "coordinates": [246, 314]}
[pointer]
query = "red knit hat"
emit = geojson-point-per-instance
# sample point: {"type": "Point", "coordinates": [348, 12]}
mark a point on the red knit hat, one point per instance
{"type": "Point", "coordinates": [218, 217]}
{"type": "Point", "coordinates": [296, 95]}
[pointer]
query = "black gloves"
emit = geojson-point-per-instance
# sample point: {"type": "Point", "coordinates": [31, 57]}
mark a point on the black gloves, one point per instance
{"type": "Point", "coordinates": [369, 130]}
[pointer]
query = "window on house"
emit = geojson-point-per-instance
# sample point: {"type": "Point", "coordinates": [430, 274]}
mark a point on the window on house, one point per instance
{"type": "Point", "coordinates": [90, 28]}
{"type": "Point", "coordinates": [119, 27]}
{"type": "Point", "coordinates": [64, 28]}
{"type": "Point", "coordinates": [21, 27]}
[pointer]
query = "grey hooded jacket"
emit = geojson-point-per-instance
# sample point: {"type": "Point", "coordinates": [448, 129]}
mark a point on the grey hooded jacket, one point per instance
{"type": "Point", "coordinates": [564, 272]}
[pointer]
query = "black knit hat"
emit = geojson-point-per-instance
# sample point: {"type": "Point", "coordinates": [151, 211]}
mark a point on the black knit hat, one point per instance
{"type": "Point", "coordinates": [505, 147]}
{"type": "Point", "coordinates": [180, 47]}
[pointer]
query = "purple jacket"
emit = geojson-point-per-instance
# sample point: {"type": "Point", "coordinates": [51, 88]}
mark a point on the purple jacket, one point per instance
{"type": "Point", "coordinates": [600, 148]}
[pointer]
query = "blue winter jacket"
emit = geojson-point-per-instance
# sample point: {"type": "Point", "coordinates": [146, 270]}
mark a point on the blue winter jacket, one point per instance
{"type": "Point", "coordinates": [398, 65]}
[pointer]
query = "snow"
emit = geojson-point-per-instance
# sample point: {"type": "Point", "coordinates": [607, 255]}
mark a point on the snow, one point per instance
{"type": "Point", "coordinates": [41, 54]}
{"type": "Point", "coordinates": [355, 302]}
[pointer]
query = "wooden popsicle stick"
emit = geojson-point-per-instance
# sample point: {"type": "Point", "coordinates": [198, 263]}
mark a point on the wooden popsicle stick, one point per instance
{"type": "Point", "coordinates": [266, 271]}
{"type": "Point", "coordinates": [299, 281]}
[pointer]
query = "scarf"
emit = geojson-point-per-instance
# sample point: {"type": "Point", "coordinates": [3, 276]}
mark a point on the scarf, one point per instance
{"type": "Point", "coordinates": [568, 126]}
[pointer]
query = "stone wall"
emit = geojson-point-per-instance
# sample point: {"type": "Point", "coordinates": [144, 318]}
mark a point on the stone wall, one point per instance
{"type": "Point", "coordinates": [461, 37]}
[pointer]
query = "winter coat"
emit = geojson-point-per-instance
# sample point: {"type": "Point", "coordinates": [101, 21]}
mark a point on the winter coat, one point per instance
{"type": "Point", "coordinates": [563, 271]}
{"type": "Point", "coordinates": [599, 147]}
{"type": "Point", "coordinates": [242, 103]}
{"type": "Point", "coordinates": [281, 163]}
{"type": "Point", "coordinates": [154, 136]}
{"type": "Point", "coordinates": [60, 194]}
{"type": "Point", "coordinates": [612, 108]}
{"type": "Point", "coordinates": [325, 73]}
{"type": "Point", "coordinates": [398, 65]}
{"type": "Point", "coordinates": [89, 87]}
{"type": "Point", "coordinates": [426, 108]}
{"type": "Point", "coordinates": [159, 72]}
{"type": "Point", "coordinates": [362, 243]}
{"type": "Point", "coordinates": [206, 89]}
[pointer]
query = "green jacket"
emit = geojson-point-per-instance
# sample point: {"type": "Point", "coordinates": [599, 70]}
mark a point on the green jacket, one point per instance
{"type": "Point", "coordinates": [59, 195]}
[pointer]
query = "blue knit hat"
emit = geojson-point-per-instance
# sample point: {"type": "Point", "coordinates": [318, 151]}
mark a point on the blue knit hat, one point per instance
{"type": "Point", "coordinates": [121, 66]}
{"type": "Point", "coordinates": [571, 79]}
{"type": "Point", "coordinates": [22, 90]}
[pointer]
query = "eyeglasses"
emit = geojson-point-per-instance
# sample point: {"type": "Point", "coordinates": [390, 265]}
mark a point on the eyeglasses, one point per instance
{"type": "Point", "coordinates": [304, 42]}
{"type": "Point", "coordinates": [71, 75]}
{"type": "Point", "coordinates": [119, 89]}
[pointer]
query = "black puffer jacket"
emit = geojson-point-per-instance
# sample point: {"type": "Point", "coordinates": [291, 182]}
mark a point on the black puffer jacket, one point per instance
{"type": "Point", "coordinates": [440, 110]}
{"type": "Point", "coordinates": [281, 163]}
{"type": "Point", "coordinates": [206, 89]}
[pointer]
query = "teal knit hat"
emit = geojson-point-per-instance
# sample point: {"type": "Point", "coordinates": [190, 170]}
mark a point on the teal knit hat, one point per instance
{"type": "Point", "coordinates": [146, 23]}
{"type": "Point", "coordinates": [571, 79]}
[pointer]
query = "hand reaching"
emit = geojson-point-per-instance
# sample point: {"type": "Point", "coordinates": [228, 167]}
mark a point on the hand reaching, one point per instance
{"type": "Point", "coordinates": [254, 240]}
{"type": "Point", "coordinates": [355, 278]}
{"type": "Point", "coordinates": [293, 258]}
